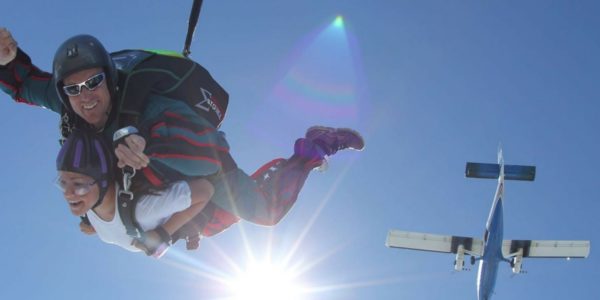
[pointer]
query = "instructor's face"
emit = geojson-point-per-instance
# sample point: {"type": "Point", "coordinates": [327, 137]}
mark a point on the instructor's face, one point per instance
{"type": "Point", "coordinates": [91, 105]}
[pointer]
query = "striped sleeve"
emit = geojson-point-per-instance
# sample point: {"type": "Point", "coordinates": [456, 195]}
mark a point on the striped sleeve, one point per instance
{"type": "Point", "coordinates": [182, 145]}
{"type": "Point", "coordinates": [25, 83]}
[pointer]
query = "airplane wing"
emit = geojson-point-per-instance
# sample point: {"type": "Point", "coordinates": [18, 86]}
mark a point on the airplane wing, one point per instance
{"type": "Point", "coordinates": [546, 249]}
{"type": "Point", "coordinates": [434, 242]}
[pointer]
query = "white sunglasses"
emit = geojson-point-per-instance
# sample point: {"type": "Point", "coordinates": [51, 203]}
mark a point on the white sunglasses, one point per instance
{"type": "Point", "coordinates": [91, 84]}
{"type": "Point", "coordinates": [79, 188]}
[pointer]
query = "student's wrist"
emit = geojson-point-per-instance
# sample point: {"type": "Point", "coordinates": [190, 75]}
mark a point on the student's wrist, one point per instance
{"type": "Point", "coordinates": [165, 236]}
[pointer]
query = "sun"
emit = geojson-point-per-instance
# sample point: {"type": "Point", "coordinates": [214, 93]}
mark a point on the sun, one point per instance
{"type": "Point", "coordinates": [265, 281]}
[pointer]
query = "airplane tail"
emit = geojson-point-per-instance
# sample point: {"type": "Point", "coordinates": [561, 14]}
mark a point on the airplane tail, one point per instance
{"type": "Point", "coordinates": [492, 171]}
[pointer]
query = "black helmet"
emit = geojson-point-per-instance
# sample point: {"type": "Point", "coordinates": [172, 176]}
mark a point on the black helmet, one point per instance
{"type": "Point", "coordinates": [79, 53]}
{"type": "Point", "coordinates": [87, 153]}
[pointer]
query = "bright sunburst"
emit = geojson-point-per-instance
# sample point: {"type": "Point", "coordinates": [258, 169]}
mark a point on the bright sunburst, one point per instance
{"type": "Point", "coordinates": [273, 268]}
{"type": "Point", "coordinates": [265, 281]}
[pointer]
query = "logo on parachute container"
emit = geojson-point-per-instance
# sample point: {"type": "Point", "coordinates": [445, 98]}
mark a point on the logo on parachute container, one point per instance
{"type": "Point", "coordinates": [208, 104]}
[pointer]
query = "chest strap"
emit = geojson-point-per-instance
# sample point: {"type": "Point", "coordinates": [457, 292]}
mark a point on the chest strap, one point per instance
{"type": "Point", "coordinates": [126, 205]}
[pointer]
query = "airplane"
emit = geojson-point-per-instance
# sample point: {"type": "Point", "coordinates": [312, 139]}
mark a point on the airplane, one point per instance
{"type": "Point", "coordinates": [492, 249]}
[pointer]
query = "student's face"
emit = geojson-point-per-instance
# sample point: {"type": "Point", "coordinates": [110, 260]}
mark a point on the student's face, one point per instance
{"type": "Point", "coordinates": [92, 106]}
{"type": "Point", "coordinates": [80, 191]}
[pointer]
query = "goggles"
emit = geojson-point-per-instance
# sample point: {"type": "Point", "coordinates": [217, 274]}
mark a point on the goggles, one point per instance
{"type": "Point", "coordinates": [91, 84]}
{"type": "Point", "coordinates": [78, 188]}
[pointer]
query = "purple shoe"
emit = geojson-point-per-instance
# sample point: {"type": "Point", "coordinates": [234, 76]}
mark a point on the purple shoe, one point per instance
{"type": "Point", "coordinates": [332, 140]}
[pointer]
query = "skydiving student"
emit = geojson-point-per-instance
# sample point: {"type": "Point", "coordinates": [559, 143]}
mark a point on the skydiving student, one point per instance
{"type": "Point", "coordinates": [86, 176]}
{"type": "Point", "coordinates": [171, 141]}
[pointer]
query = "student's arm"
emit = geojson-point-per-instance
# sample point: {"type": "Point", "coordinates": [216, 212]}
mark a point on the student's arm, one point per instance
{"type": "Point", "coordinates": [201, 192]}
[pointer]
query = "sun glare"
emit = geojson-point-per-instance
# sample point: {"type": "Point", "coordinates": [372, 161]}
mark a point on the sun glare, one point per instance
{"type": "Point", "coordinates": [265, 282]}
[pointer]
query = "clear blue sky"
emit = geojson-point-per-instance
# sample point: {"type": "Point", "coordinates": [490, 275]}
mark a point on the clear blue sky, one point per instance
{"type": "Point", "coordinates": [430, 84]}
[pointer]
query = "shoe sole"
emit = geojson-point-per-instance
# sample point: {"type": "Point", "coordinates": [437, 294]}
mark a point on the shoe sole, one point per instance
{"type": "Point", "coordinates": [352, 131]}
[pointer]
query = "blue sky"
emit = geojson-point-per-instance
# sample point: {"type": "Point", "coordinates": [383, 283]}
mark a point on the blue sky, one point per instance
{"type": "Point", "coordinates": [430, 84]}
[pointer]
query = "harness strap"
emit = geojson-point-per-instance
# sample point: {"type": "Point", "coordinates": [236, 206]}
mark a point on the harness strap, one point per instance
{"type": "Point", "coordinates": [85, 220]}
{"type": "Point", "coordinates": [126, 204]}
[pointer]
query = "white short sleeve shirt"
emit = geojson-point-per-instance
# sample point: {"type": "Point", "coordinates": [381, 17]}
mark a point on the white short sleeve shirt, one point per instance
{"type": "Point", "coordinates": [150, 212]}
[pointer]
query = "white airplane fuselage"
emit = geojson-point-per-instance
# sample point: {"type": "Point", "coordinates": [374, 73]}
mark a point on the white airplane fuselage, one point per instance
{"type": "Point", "coordinates": [492, 251]}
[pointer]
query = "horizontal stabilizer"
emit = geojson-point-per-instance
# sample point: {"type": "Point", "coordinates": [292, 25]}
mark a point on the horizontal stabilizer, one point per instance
{"type": "Point", "coordinates": [547, 249]}
{"type": "Point", "coordinates": [492, 171]}
{"type": "Point", "coordinates": [433, 242]}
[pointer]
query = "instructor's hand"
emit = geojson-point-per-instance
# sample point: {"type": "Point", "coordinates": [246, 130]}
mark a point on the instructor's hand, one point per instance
{"type": "Point", "coordinates": [131, 153]}
{"type": "Point", "coordinates": [8, 47]}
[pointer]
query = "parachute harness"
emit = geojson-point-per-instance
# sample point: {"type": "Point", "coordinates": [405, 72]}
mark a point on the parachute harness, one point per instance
{"type": "Point", "coordinates": [125, 192]}
{"type": "Point", "coordinates": [127, 204]}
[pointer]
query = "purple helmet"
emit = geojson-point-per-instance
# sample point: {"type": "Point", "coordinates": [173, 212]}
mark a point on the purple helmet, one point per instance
{"type": "Point", "coordinates": [87, 153]}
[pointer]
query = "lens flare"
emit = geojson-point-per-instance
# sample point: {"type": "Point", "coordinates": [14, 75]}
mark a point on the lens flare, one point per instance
{"type": "Point", "coordinates": [320, 83]}
{"type": "Point", "coordinates": [338, 22]}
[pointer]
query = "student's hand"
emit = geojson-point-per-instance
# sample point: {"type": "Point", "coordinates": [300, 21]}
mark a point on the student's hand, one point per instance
{"type": "Point", "coordinates": [86, 228]}
{"type": "Point", "coordinates": [152, 244]}
{"type": "Point", "coordinates": [131, 153]}
{"type": "Point", "coordinates": [8, 47]}
{"type": "Point", "coordinates": [192, 242]}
